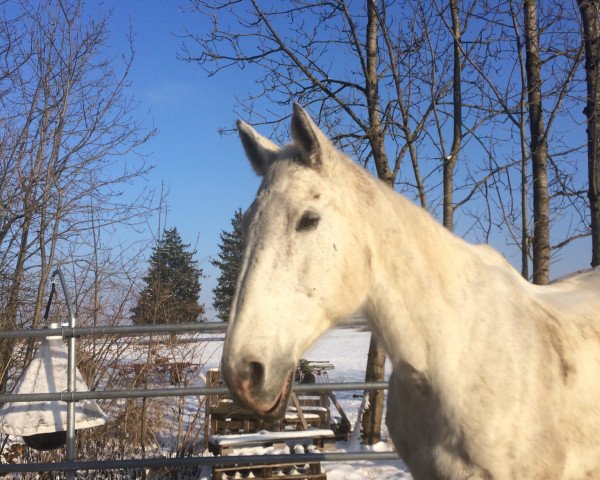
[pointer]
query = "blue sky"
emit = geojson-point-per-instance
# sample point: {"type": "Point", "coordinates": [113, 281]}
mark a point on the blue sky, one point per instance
{"type": "Point", "coordinates": [205, 173]}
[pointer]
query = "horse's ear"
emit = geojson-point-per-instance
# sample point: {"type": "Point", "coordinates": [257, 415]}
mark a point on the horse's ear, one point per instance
{"type": "Point", "coordinates": [260, 150]}
{"type": "Point", "coordinates": [308, 136]}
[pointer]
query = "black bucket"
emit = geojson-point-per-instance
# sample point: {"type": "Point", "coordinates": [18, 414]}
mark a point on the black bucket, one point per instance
{"type": "Point", "coordinates": [46, 441]}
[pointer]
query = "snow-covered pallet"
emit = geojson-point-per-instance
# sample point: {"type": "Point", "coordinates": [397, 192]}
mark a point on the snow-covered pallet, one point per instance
{"type": "Point", "coordinates": [227, 444]}
{"type": "Point", "coordinates": [280, 471]}
{"type": "Point", "coordinates": [280, 443]}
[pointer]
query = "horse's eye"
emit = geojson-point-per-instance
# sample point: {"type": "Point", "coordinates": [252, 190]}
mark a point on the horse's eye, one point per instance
{"type": "Point", "coordinates": [309, 221]}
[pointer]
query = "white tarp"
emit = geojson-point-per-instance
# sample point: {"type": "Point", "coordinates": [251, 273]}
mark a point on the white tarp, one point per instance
{"type": "Point", "coordinates": [48, 373]}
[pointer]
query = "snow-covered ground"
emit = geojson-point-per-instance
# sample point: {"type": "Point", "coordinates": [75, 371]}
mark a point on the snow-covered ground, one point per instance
{"type": "Point", "coordinates": [347, 350]}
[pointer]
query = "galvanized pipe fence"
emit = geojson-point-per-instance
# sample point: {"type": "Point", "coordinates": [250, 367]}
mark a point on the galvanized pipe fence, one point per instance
{"type": "Point", "coordinates": [187, 462]}
{"type": "Point", "coordinates": [71, 333]}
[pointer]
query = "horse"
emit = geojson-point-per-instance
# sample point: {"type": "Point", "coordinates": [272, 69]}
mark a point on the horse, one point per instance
{"type": "Point", "coordinates": [493, 377]}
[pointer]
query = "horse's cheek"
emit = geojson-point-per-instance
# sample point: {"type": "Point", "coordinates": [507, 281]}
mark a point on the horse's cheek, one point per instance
{"type": "Point", "coordinates": [350, 272]}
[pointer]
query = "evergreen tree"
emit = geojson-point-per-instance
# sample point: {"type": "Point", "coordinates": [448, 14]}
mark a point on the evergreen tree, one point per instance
{"type": "Point", "coordinates": [229, 262]}
{"type": "Point", "coordinates": [172, 290]}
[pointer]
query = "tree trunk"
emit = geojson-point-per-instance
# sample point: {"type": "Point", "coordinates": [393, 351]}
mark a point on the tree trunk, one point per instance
{"type": "Point", "coordinates": [375, 372]}
{"type": "Point", "coordinates": [373, 414]}
{"type": "Point", "coordinates": [591, 38]}
{"type": "Point", "coordinates": [522, 124]}
{"type": "Point", "coordinates": [450, 161]}
{"type": "Point", "coordinates": [539, 152]}
{"type": "Point", "coordinates": [11, 313]}
{"type": "Point", "coordinates": [525, 240]}
{"type": "Point", "coordinates": [376, 134]}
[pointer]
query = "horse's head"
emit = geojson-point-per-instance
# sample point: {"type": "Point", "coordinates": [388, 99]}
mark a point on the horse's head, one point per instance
{"type": "Point", "coordinates": [305, 265]}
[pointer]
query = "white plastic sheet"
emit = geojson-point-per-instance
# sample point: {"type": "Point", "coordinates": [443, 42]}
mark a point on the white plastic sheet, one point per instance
{"type": "Point", "coordinates": [48, 373]}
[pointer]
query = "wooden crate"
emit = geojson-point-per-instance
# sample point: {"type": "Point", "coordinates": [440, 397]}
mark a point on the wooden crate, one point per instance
{"type": "Point", "coordinates": [225, 416]}
{"type": "Point", "coordinates": [241, 424]}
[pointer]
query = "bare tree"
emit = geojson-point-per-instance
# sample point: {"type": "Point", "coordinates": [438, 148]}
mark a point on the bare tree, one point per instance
{"type": "Point", "coordinates": [450, 160]}
{"type": "Point", "coordinates": [539, 147]}
{"type": "Point", "coordinates": [65, 122]}
{"type": "Point", "coordinates": [591, 39]}
{"type": "Point", "coordinates": [502, 71]}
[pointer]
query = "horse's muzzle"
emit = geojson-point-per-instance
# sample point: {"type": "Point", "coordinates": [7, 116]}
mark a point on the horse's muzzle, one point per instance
{"type": "Point", "coordinates": [263, 390]}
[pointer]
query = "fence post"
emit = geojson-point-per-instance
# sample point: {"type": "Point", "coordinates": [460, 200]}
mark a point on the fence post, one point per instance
{"type": "Point", "coordinates": [71, 378]}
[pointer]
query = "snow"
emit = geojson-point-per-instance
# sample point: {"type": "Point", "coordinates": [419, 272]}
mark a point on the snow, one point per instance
{"type": "Point", "coordinates": [264, 436]}
{"type": "Point", "coordinates": [307, 416]}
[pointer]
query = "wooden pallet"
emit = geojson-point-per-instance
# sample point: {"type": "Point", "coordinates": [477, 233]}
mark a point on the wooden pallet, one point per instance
{"type": "Point", "coordinates": [225, 416]}
{"type": "Point", "coordinates": [280, 471]}
{"type": "Point", "coordinates": [307, 441]}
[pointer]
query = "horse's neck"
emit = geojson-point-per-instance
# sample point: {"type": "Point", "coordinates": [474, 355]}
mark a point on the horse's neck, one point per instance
{"type": "Point", "coordinates": [429, 285]}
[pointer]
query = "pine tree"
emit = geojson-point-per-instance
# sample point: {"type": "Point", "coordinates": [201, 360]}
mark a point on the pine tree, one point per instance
{"type": "Point", "coordinates": [229, 262]}
{"type": "Point", "coordinates": [172, 290]}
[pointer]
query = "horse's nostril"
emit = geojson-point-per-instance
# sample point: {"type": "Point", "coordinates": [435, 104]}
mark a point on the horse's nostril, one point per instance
{"type": "Point", "coordinates": [257, 374]}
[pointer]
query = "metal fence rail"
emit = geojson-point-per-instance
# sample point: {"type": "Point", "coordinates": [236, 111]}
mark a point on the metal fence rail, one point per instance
{"type": "Point", "coordinates": [71, 333]}
{"type": "Point", "coordinates": [120, 330]}
{"type": "Point", "coordinates": [195, 462]}
{"type": "Point", "coordinates": [177, 392]}
{"type": "Point", "coordinates": [134, 330]}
